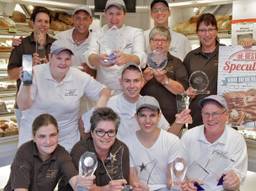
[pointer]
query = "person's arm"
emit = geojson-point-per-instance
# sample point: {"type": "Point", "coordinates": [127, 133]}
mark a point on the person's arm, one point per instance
{"type": "Point", "coordinates": [180, 119]}
{"type": "Point", "coordinates": [123, 58]}
{"type": "Point", "coordinates": [82, 181]}
{"type": "Point", "coordinates": [105, 94]}
{"type": "Point", "coordinates": [113, 185]}
{"type": "Point", "coordinates": [170, 84]}
{"type": "Point", "coordinates": [24, 97]}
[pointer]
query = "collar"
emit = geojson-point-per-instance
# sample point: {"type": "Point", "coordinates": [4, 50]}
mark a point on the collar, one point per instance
{"type": "Point", "coordinates": [48, 75]}
{"type": "Point", "coordinates": [221, 140]}
{"type": "Point", "coordinates": [70, 37]}
{"type": "Point", "coordinates": [214, 53]}
{"type": "Point", "coordinates": [106, 27]}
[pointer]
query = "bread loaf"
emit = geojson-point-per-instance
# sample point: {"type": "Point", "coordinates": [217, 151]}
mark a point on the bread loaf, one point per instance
{"type": "Point", "coordinates": [18, 17]}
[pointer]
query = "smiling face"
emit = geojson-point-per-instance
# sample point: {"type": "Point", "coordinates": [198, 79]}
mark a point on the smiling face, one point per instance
{"type": "Point", "coordinates": [103, 143]}
{"type": "Point", "coordinates": [60, 64]}
{"type": "Point", "coordinates": [82, 21]}
{"type": "Point", "coordinates": [214, 118]}
{"type": "Point", "coordinates": [207, 35]}
{"type": "Point", "coordinates": [46, 139]}
{"type": "Point", "coordinates": [148, 119]}
{"type": "Point", "coordinates": [159, 42]}
{"type": "Point", "coordinates": [41, 23]}
{"type": "Point", "coordinates": [115, 16]}
{"type": "Point", "coordinates": [132, 82]}
{"type": "Point", "coordinates": [160, 14]}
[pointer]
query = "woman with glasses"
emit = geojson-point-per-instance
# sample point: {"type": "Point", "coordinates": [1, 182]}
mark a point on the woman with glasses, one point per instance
{"type": "Point", "coordinates": [164, 83]}
{"type": "Point", "coordinates": [204, 58]}
{"type": "Point", "coordinates": [112, 172]}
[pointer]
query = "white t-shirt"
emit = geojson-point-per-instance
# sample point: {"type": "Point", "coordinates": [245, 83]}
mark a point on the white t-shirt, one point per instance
{"type": "Point", "coordinates": [132, 43]}
{"type": "Point", "coordinates": [230, 144]}
{"type": "Point", "coordinates": [61, 99]}
{"type": "Point", "coordinates": [78, 50]}
{"type": "Point", "coordinates": [154, 160]}
{"type": "Point", "coordinates": [179, 47]}
{"type": "Point", "coordinates": [126, 110]}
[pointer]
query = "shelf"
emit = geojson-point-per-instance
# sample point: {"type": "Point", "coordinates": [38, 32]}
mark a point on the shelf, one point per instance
{"type": "Point", "coordinates": [221, 35]}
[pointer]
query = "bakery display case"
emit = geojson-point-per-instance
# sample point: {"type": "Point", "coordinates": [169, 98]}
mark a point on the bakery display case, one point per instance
{"type": "Point", "coordinates": [8, 125]}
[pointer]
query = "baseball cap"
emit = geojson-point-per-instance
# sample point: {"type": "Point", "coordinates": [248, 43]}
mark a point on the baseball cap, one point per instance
{"type": "Point", "coordinates": [216, 98]}
{"type": "Point", "coordinates": [158, 1]}
{"type": "Point", "coordinates": [117, 3]}
{"type": "Point", "coordinates": [83, 8]}
{"type": "Point", "coordinates": [147, 102]}
{"type": "Point", "coordinates": [59, 46]}
{"type": "Point", "coordinates": [131, 65]}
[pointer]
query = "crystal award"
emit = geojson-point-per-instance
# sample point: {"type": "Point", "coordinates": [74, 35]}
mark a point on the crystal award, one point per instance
{"type": "Point", "coordinates": [178, 172]}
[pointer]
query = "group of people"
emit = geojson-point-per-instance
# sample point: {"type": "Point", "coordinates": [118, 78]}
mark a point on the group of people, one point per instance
{"type": "Point", "coordinates": [134, 126]}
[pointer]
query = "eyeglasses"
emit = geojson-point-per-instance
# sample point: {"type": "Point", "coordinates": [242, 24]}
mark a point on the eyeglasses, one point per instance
{"type": "Point", "coordinates": [156, 40]}
{"type": "Point", "coordinates": [101, 133]}
{"type": "Point", "coordinates": [210, 30]}
{"type": "Point", "coordinates": [160, 10]}
{"type": "Point", "coordinates": [213, 115]}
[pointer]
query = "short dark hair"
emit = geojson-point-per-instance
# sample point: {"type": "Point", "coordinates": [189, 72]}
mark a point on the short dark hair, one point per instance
{"type": "Point", "coordinates": [43, 120]}
{"type": "Point", "coordinates": [158, 1]}
{"type": "Point", "coordinates": [133, 67]}
{"type": "Point", "coordinates": [37, 10]}
{"type": "Point", "coordinates": [207, 19]}
{"type": "Point", "coordinates": [104, 114]}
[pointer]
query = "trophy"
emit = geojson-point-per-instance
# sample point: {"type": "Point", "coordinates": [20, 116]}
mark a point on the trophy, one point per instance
{"type": "Point", "coordinates": [87, 165]}
{"type": "Point", "coordinates": [178, 172]}
{"type": "Point", "coordinates": [199, 81]}
{"type": "Point", "coordinates": [40, 49]}
{"type": "Point", "coordinates": [157, 59]}
{"type": "Point", "coordinates": [182, 101]}
{"type": "Point", "coordinates": [110, 43]}
{"type": "Point", "coordinates": [113, 166]}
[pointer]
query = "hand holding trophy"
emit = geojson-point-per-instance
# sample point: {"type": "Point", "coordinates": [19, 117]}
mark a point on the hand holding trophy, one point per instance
{"type": "Point", "coordinates": [157, 59]}
{"type": "Point", "coordinates": [110, 44]}
{"type": "Point", "coordinates": [87, 165]}
{"type": "Point", "coordinates": [178, 172]}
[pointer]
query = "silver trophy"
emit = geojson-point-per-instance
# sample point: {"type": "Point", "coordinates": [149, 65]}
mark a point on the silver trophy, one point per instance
{"type": "Point", "coordinates": [114, 168]}
{"type": "Point", "coordinates": [157, 59]}
{"type": "Point", "coordinates": [199, 81]}
{"type": "Point", "coordinates": [182, 101]}
{"type": "Point", "coordinates": [88, 163]}
{"type": "Point", "coordinates": [178, 172]}
{"type": "Point", "coordinates": [110, 43]}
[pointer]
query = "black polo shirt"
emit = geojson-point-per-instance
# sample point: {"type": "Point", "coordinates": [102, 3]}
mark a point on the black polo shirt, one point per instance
{"type": "Point", "coordinates": [118, 169]}
{"type": "Point", "coordinates": [208, 63]}
{"type": "Point", "coordinates": [30, 172]}
{"type": "Point", "coordinates": [27, 46]}
{"type": "Point", "coordinates": [167, 100]}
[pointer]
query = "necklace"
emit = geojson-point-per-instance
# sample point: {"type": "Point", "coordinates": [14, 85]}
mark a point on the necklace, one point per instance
{"type": "Point", "coordinates": [79, 39]}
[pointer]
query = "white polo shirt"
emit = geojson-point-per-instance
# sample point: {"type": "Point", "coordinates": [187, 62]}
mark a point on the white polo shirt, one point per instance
{"type": "Point", "coordinates": [199, 151]}
{"type": "Point", "coordinates": [179, 47]}
{"type": "Point", "coordinates": [127, 110]}
{"type": "Point", "coordinates": [132, 43]}
{"type": "Point", "coordinates": [78, 50]}
{"type": "Point", "coordinates": [152, 163]}
{"type": "Point", "coordinates": [61, 99]}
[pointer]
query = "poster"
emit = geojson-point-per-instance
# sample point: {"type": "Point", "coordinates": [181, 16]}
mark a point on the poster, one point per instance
{"type": "Point", "coordinates": [237, 83]}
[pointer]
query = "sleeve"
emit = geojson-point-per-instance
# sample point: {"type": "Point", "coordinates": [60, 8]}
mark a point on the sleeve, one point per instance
{"type": "Point", "coordinates": [180, 73]}
{"type": "Point", "coordinates": [240, 158]}
{"type": "Point", "coordinates": [126, 164]}
{"type": "Point", "coordinates": [163, 123]}
{"type": "Point", "coordinates": [93, 47]}
{"type": "Point", "coordinates": [139, 47]}
{"type": "Point", "coordinates": [15, 59]}
{"type": "Point", "coordinates": [21, 168]}
{"type": "Point", "coordinates": [187, 46]}
{"type": "Point", "coordinates": [92, 88]}
{"type": "Point", "coordinates": [86, 120]}
{"type": "Point", "coordinates": [67, 166]}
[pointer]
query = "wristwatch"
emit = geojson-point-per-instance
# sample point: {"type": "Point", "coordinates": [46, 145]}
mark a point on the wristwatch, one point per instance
{"type": "Point", "coordinates": [166, 82]}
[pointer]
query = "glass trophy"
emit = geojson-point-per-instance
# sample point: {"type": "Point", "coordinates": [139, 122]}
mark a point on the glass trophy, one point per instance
{"type": "Point", "coordinates": [87, 165]}
{"type": "Point", "coordinates": [199, 81]}
{"type": "Point", "coordinates": [114, 168]}
{"type": "Point", "coordinates": [110, 43]}
{"type": "Point", "coordinates": [40, 48]}
{"type": "Point", "coordinates": [157, 59]}
{"type": "Point", "coordinates": [178, 172]}
{"type": "Point", "coordinates": [182, 101]}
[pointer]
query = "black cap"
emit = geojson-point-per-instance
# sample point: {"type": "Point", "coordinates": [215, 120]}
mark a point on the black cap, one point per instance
{"type": "Point", "coordinates": [158, 1]}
